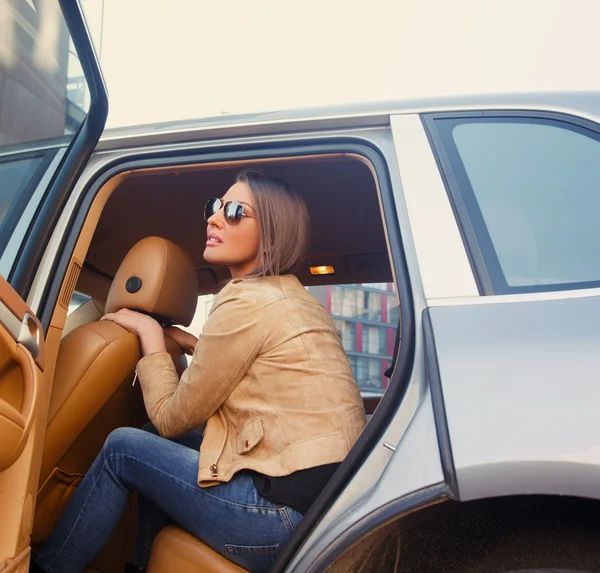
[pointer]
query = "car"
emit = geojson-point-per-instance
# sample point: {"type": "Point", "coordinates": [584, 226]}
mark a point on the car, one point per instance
{"type": "Point", "coordinates": [454, 240]}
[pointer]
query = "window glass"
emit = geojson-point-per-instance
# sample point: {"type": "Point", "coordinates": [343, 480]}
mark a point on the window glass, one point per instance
{"type": "Point", "coordinates": [366, 316]}
{"type": "Point", "coordinates": [532, 192]}
{"type": "Point", "coordinates": [43, 102]}
{"type": "Point", "coordinates": [347, 331]}
{"type": "Point", "coordinates": [203, 307]}
{"type": "Point", "coordinates": [14, 178]}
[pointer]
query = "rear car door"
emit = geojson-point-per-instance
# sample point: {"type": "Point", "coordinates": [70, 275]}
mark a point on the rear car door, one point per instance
{"type": "Point", "coordinates": [517, 366]}
{"type": "Point", "coordinates": [53, 107]}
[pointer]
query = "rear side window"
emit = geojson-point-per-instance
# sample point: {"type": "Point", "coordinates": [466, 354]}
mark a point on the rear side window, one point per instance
{"type": "Point", "coordinates": [527, 194]}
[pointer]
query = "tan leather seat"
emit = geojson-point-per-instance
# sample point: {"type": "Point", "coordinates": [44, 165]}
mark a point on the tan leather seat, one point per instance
{"type": "Point", "coordinates": [93, 393]}
{"type": "Point", "coordinates": [176, 550]}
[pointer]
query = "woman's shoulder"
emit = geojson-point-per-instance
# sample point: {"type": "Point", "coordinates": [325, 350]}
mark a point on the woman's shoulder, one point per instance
{"type": "Point", "coordinates": [263, 290]}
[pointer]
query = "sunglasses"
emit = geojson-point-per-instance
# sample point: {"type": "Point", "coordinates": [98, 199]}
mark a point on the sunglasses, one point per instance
{"type": "Point", "coordinates": [232, 210]}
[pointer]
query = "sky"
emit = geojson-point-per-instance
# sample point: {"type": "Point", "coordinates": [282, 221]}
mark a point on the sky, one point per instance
{"type": "Point", "coordinates": [183, 59]}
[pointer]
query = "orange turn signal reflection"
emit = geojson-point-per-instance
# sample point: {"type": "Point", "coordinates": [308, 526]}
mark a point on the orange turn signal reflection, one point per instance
{"type": "Point", "coordinates": [322, 270]}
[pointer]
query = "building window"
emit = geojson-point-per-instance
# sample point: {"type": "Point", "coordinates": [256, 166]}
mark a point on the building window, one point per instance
{"type": "Point", "coordinates": [366, 317]}
{"type": "Point", "coordinates": [347, 332]}
{"type": "Point", "coordinates": [393, 314]}
{"type": "Point", "coordinates": [374, 339]}
{"type": "Point", "coordinates": [373, 306]}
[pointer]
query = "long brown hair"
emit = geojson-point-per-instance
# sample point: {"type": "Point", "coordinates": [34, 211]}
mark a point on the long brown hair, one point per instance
{"type": "Point", "coordinates": [282, 221]}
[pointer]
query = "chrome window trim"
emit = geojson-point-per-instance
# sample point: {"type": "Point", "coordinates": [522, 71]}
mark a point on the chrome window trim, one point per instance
{"type": "Point", "coordinates": [442, 256]}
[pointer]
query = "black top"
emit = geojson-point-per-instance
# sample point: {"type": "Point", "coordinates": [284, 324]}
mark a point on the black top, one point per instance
{"type": "Point", "coordinates": [298, 490]}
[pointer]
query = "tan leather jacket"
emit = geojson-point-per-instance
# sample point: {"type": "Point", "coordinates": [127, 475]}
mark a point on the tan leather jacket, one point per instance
{"type": "Point", "coordinates": [269, 376]}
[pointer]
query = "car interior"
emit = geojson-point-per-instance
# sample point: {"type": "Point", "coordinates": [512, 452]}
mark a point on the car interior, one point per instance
{"type": "Point", "coordinates": [148, 223]}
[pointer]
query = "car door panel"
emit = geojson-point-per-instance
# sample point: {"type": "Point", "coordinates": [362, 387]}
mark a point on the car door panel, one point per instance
{"type": "Point", "coordinates": [21, 376]}
{"type": "Point", "coordinates": [513, 375]}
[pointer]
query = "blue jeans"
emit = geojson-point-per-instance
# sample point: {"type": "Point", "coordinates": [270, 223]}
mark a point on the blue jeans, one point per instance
{"type": "Point", "coordinates": [233, 518]}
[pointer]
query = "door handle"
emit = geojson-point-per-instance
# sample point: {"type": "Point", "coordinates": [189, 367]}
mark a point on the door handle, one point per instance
{"type": "Point", "coordinates": [29, 335]}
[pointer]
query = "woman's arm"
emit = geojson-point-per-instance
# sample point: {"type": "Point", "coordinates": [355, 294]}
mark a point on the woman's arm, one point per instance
{"type": "Point", "coordinates": [229, 343]}
{"type": "Point", "coordinates": [186, 340]}
{"type": "Point", "coordinates": [145, 327]}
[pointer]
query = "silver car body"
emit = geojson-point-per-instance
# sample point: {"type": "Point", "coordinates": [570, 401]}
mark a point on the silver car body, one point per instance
{"type": "Point", "coordinates": [503, 394]}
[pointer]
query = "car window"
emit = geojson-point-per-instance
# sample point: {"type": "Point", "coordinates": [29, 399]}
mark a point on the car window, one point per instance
{"type": "Point", "coordinates": [531, 189]}
{"type": "Point", "coordinates": [43, 102]}
{"type": "Point", "coordinates": [203, 307]}
{"type": "Point", "coordinates": [365, 315]}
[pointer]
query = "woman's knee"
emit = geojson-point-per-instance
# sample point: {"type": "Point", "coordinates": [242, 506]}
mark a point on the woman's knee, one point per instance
{"type": "Point", "coordinates": [120, 438]}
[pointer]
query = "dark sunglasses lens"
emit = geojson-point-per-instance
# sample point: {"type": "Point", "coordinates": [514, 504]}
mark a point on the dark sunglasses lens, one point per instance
{"type": "Point", "coordinates": [234, 212]}
{"type": "Point", "coordinates": [212, 206]}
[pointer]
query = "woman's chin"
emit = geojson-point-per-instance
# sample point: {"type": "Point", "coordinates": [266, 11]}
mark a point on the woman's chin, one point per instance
{"type": "Point", "coordinates": [209, 253]}
{"type": "Point", "coordinates": [211, 256]}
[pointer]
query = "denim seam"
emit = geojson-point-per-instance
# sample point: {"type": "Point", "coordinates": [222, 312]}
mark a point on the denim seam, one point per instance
{"type": "Point", "coordinates": [146, 547]}
{"type": "Point", "coordinates": [251, 549]}
{"type": "Point", "coordinates": [287, 521]}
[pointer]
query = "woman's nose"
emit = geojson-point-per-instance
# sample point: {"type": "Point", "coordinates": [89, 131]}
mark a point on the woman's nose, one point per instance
{"type": "Point", "coordinates": [217, 219]}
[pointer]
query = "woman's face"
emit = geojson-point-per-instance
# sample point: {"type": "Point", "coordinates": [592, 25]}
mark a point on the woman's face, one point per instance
{"type": "Point", "coordinates": [234, 246]}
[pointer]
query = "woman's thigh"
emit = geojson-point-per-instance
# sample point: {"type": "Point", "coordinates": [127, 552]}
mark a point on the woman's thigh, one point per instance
{"type": "Point", "coordinates": [192, 440]}
{"type": "Point", "coordinates": [232, 517]}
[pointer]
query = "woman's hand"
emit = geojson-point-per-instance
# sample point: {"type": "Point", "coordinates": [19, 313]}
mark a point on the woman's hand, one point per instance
{"type": "Point", "coordinates": [186, 340]}
{"type": "Point", "coordinates": [145, 327]}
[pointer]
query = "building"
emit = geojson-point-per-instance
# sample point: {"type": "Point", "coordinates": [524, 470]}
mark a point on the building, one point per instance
{"type": "Point", "coordinates": [366, 316]}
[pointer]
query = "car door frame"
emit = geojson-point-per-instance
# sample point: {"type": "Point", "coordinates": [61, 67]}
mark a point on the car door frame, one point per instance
{"type": "Point", "coordinates": [26, 366]}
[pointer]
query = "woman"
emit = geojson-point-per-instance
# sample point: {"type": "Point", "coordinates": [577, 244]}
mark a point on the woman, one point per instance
{"type": "Point", "coordinates": [268, 376]}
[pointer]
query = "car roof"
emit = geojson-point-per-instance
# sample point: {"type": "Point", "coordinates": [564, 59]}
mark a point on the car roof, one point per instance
{"type": "Point", "coordinates": [348, 115]}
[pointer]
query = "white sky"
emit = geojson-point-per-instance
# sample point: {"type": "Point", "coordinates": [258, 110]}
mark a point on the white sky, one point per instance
{"type": "Point", "coordinates": [179, 59]}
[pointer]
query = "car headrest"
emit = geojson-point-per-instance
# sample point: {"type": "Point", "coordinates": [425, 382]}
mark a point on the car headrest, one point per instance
{"type": "Point", "coordinates": [157, 277]}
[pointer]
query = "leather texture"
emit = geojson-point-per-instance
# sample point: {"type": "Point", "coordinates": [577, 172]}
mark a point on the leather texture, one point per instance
{"type": "Point", "coordinates": [169, 283]}
{"type": "Point", "coordinates": [271, 378]}
{"type": "Point", "coordinates": [176, 550]}
{"type": "Point", "coordinates": [93, 393]}
{"type": "Point", "coordinates": [23, 399]}
{"type": "Point", "coordinates": [93, 361]}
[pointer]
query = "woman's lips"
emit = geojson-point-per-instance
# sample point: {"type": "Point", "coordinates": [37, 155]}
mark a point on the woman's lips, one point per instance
{"type": "Point", "coordinates": [213, 240]}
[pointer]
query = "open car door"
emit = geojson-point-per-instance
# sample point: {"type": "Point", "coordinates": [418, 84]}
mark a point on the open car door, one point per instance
{"type": "Point", "coordinates": [21, 395]}
{"type": "Point", "coordinates": [53, 107]}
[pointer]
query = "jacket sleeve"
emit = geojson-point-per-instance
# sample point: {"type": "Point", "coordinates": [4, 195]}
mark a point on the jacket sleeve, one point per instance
{"type": "Point", "coordinates": [229, 343]}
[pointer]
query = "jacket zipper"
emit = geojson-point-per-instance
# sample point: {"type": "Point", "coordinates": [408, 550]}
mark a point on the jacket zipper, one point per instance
{"type": "Point", "coordinates": [214, 469]}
